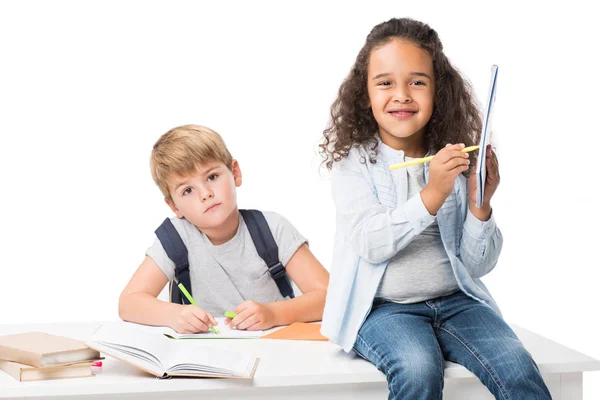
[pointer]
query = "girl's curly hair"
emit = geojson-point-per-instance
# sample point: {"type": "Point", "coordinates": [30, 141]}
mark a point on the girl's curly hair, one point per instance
{"type": "Point", "coordinates": [455, 117]}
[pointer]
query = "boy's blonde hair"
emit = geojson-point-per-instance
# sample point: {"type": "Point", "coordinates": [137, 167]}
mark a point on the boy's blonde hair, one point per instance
{"type": "Point", "coordinates": [182, 150]}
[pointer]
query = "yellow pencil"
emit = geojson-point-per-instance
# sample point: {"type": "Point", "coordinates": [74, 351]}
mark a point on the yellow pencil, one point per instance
{"type": "Point", "coordinates": [426, 159]}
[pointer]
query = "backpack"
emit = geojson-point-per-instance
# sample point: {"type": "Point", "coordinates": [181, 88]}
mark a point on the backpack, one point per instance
{"type": "Point", "coordinates": [261, 237]}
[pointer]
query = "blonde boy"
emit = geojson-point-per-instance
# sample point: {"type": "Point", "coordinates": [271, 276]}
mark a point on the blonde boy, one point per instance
{"type": "Point", "coordinates": [198, 179]}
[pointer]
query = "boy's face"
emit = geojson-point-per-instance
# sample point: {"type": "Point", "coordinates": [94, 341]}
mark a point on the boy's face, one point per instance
{"type": "Point", "coordinates": [206, 197]}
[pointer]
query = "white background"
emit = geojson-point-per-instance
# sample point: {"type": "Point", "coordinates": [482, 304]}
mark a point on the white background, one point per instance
{"type": "Point", "coordinates": [86, 88]}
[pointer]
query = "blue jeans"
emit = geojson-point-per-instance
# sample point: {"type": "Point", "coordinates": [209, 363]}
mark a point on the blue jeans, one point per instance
{"type": "Point", "coordinates": [409, 342]}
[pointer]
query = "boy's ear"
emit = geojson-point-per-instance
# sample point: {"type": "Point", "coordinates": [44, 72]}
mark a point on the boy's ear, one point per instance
{"type": "Point", "coordinates": [174, 208]}
{"type": "Point", "coordinates": [237, 173]}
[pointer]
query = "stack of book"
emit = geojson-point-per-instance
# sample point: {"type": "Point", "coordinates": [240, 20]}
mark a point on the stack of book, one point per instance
{"type": "Point", "coordinates": [35, 356]}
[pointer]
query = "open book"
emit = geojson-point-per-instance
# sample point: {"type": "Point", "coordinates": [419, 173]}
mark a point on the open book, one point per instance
{"type": "Point", "coordinates": [158, 355]}
{"type": "Point", "coordinates": [485, 137]}
{"type": "Point", "coordinates": [225, 332]}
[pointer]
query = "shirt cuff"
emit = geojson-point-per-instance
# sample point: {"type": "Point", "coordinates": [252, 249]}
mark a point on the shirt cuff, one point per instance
{"type": "Point", "coordinates": [415, 212]}
{"type": "Point", "coordinates": [479, 229]}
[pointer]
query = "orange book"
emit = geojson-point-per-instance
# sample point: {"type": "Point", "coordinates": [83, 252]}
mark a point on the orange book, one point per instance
{"type": "Point", "coordinates": [297, 331]}
{"type": "Point", "coordinates": [39, 349]}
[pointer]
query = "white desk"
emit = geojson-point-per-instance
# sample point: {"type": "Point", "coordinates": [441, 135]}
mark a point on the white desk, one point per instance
{"type": "Point", "coordinates": [287, 369]}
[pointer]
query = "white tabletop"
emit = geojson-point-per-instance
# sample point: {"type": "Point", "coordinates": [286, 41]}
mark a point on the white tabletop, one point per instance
{"type": "Point", "coordinates": [282, 363]}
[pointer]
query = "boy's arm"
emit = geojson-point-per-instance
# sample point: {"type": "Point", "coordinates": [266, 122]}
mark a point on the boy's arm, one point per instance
{"type": "Point", "coordinates": [138, 303]}
{"type": "Point", "coordinates": [312, 280]}
{"type": "Point", "coordinates": [310, 277]}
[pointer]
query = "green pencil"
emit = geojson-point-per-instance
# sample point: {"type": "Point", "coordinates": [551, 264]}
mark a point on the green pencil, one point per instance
{"type": "Point", "coordinates": [192, 301]}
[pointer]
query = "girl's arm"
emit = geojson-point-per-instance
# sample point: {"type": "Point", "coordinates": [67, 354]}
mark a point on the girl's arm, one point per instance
{"type": "Point", "coordinates": [376, 233]}
{"type": "Point", "coordinates": [138, 303]}
{"type": "Point", "coordinates": [480, 245]}
{"type": "Point", "coordinates": [310, 277]}
{"type": "Point", "coordinates": [481, 240]}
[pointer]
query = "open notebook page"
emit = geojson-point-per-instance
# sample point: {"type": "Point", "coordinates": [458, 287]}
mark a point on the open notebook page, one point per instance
{"type": "Point", "coordinates": [225, 332]}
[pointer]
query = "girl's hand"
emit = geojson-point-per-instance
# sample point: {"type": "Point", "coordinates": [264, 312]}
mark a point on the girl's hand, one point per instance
{"type": "Point", "coordinates": [252, 316]}
{"type": "Point", "coordinates": [492, 181]}
{"type": "Point", "coordinates": [192, 319]}
{"type": "Point", "coordinates": [447, 164]}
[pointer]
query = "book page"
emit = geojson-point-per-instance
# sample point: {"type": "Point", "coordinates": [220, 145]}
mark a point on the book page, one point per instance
{"type": "Point", "coordinates": [197, 357]}
{"type": "Point", "coordinates": [133, 343]}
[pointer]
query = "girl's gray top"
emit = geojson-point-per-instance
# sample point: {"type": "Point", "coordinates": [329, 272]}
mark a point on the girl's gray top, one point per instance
{"type": "Point", "coordinates": [422, 270]}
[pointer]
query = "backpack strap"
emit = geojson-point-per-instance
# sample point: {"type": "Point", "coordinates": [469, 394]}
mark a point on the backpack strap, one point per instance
{"type": "Point", "coordinates": [267, 249]}
{"type": "Point", "coordinates": [178, 253]}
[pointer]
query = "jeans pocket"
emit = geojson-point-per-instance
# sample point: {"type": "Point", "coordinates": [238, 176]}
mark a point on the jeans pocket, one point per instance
{"type": "Point", "coordinates": [360, 354]}
{"type": "Point", "coordinates": [355, 347]}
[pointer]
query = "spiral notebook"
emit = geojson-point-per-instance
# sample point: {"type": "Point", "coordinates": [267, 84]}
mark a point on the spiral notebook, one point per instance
{"type": "Point", "coordinates": [481, 171]}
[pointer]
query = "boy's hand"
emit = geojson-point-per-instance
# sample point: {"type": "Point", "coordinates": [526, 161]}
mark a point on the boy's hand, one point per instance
{"type": "Point", "coordinates": [252, 316]}
{"type": "Point", "coordinates": [447, 164]}
{"type": "Point", "coordinates": [492, 181]}
{"type": "Point", "coordinates": [192, 319]}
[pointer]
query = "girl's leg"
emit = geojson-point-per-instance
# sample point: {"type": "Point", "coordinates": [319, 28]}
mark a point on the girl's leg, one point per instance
{"type": "Point", "coordinates": [474, 335]}
{"type": "Point", "coordinates": [400, 341]}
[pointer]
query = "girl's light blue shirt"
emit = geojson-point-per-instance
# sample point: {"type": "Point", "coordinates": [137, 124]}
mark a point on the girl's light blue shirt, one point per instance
{"type": "Point", "coordinates": [375, 220]}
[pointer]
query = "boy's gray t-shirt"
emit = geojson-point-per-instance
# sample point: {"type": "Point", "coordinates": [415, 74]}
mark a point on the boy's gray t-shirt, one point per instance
{"type": "Point", "coordinates": [224, 276]}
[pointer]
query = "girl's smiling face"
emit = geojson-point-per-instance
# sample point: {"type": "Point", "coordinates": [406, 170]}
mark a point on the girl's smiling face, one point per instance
{"type": "Point", "coordinates": [401, 87]}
